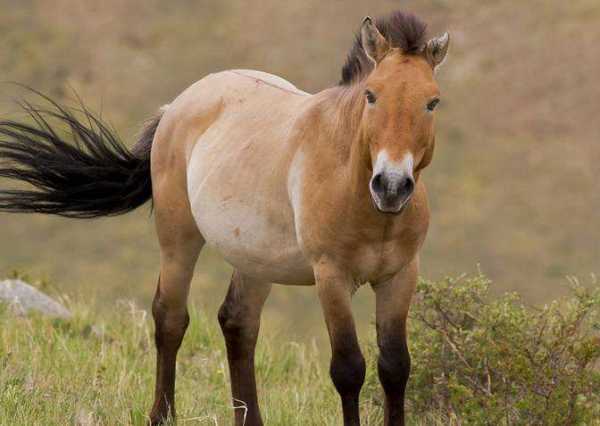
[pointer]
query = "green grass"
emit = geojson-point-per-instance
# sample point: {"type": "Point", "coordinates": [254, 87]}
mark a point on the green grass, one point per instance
{"type": "Point", "coordinates": [101, 371]}
{"type": "Point", "coordinates": [476, 360]}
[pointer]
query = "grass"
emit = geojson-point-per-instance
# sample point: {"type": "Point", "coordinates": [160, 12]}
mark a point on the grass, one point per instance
{"type": "Point", "coordinates": [476, 360]}
{"type": "Point", "coordinates": [101, 370]}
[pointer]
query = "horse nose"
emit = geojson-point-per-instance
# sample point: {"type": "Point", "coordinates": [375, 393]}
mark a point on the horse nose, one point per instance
{"type": "Point", "coordinates": [392, 185]}
{"type": "Point", "coordinates": [407, 186]}
{"type": "Point", "coordinates": [379, 184]}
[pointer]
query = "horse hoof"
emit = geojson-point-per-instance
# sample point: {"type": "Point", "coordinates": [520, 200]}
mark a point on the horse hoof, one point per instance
{"type": "Point", "coordinates": [157, 420]}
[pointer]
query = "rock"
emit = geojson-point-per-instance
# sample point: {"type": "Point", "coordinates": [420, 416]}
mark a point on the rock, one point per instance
{"type": "Point", "coordinates": [23, 298]}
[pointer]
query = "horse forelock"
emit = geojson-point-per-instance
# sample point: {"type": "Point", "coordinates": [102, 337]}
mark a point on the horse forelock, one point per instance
{"type": "Point", "coordinates": [404, 31]}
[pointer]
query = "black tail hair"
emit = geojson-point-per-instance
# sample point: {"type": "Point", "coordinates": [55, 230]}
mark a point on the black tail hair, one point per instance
{"type": "Point", "coordinates": [91, 175]}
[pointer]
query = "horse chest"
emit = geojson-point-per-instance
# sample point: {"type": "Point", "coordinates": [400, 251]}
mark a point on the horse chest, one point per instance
{"type": "Point", "coordinates": [372, 247]}
{"type": "Point", "coordinates": [379, 260]}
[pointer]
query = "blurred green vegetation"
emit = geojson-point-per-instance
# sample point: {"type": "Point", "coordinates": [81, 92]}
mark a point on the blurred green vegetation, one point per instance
{"type": "Point", "coordinates": [513, 185]}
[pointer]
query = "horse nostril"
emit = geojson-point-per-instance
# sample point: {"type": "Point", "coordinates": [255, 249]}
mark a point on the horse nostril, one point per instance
{"type": "Point", "coordinates": [377, 183]}
{"type": "Point", "coordinates": [408, 185]}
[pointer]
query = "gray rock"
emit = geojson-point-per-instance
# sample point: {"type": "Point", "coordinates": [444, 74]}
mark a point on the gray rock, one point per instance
{"type": "Point", "coordinates": [23, 298]}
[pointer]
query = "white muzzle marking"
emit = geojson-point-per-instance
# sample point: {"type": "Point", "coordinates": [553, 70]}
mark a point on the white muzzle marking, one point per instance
{"type": "Point", "coordinates": [392, 183]}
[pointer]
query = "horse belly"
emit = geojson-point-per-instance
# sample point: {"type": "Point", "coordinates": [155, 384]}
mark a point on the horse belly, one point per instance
{"type": "Point", "coordinates": [249, 243]}
{"type": "Point", "coordinates": [251, 225]}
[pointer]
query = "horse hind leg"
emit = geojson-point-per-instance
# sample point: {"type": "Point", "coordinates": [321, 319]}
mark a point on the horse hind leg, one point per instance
{"type": "Point", "coordinates": [239, 317]}
{"type": "Point", "coordinates": [180, 244]}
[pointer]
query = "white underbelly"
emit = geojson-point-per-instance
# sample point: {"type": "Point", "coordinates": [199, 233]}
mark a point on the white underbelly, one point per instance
{"type": "Point", "coordinates": [242, 220]}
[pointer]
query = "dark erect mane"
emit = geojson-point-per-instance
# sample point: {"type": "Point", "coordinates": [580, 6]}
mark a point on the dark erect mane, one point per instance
{"type": "Point", "coordinates": [401, 30]}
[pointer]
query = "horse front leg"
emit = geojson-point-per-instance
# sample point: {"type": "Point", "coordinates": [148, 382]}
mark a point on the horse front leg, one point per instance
{"type": "Point", "coordinates": [239, 317]}
{"type": "Point", "coordinates": [347, 368]}
{"type": "Point", "coordinates": [393, 299]}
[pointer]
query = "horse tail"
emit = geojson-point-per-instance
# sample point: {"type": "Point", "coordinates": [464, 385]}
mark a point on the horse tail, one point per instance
{"type": "Point", "coordinates": [78, 168]}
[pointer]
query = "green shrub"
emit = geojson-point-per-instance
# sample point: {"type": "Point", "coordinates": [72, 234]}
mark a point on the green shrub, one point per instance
{"type": "Point", "coordinates": [494, 361]}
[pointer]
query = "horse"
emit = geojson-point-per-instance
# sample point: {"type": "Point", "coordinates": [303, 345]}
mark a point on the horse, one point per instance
{"type": "Point", "coordinates": [291, 188]}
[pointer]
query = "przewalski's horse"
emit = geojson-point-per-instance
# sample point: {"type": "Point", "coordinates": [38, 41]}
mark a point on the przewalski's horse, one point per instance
{"type": "Point", "coordinates": [291, 188]}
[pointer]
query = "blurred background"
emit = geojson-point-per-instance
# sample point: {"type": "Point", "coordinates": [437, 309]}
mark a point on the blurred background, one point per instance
{"type": "Point", "coordinates": [513, 187]}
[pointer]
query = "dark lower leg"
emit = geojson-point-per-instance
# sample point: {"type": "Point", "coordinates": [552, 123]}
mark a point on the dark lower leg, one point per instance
{"type": "Point", "coordinates": [240, 355]}
{"type": "Point", "coordinates": [170, 328]}
{"type": "Point", "coordinates": [239, 317]}
{"type": "Point", "coordinates": [347, 369]}
{"type": "Point", "coordinates": [394, 369]}
{"type": "Point", "coordinates": [392, 302]}
{"type": "Point", "coordinates": [347, 372]}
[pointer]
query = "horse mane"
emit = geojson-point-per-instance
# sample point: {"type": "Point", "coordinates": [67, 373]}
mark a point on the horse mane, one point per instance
{"type": "Point", "coordinates": [402, 30]}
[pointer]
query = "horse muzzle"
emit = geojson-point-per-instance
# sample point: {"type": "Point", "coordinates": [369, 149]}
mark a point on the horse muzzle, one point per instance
{"type": "Point", "coordinates": [391, 191]}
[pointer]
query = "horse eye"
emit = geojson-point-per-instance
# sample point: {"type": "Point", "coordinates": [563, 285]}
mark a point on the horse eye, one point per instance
{"type": "Point", "coordinates": [431, 105]}
{"type": "Point", "coordinates": [371, 98]}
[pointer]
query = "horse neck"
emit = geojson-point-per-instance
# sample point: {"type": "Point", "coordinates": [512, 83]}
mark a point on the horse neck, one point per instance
{"type": "Point", "coordinates": [344, 107]}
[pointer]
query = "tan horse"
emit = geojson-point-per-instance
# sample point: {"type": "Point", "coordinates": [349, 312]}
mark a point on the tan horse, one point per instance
{"type": "Point", "coordinates": [291, 188]}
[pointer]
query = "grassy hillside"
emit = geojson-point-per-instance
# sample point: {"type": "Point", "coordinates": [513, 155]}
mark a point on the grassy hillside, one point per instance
{"type": "Point", "coordinates": [513, 185]}
{"type": "Point", "coordinates": [489, 362]}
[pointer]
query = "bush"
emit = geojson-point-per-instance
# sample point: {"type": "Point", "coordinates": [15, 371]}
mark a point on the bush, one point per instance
{"type": "Point", "coordinates": [482, 360]}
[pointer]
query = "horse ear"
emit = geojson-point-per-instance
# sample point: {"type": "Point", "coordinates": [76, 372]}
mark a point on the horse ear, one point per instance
{"type": "Point", "coordinates": [436, 50]}
{"type": "Point", "coordinates": [373, 43]}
